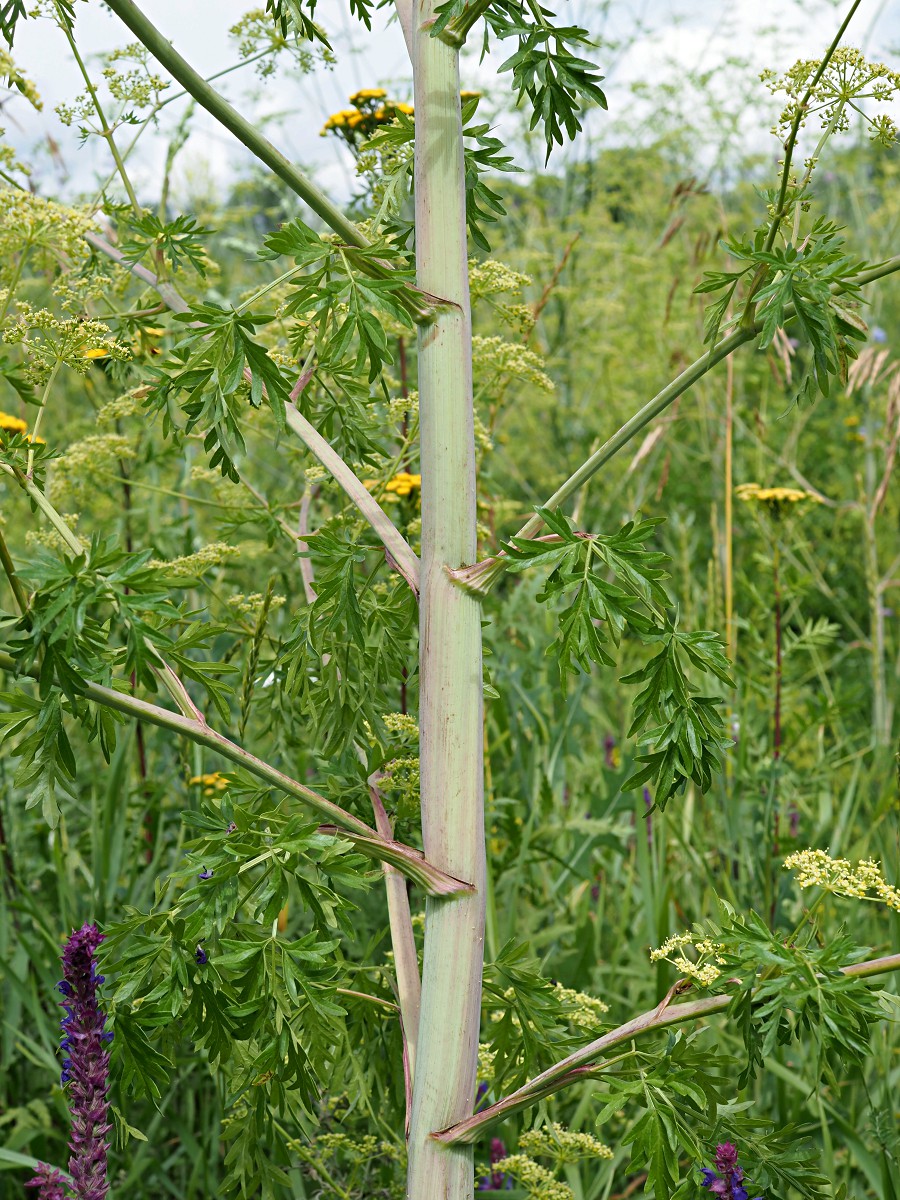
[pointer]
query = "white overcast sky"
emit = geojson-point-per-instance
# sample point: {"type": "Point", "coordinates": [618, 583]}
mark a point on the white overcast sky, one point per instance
{"type": "Point", "coordinates": [677, 37]}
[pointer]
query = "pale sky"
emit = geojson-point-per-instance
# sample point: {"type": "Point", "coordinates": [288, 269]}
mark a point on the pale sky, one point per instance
{"type": "Point", "coordinates": [669, 40]}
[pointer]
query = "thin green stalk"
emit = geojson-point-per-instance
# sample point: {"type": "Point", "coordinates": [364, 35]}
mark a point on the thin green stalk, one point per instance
{"type": "Point", "coordinates": [245, 131]}
{"type": "Point", "coordinates": [268, 287]}
{"type": "Point", "coordinates": [29, 467]}
{"type": "Point", "coordinates": [400, 554]}
{"type": "Point", "coordinates": [880, 725]}
{"type": "Point", "coordinates": [450, 668]}
{"type": "Point", "coordinates": [15, 582]}
{"type": "Point", "coordinates": [166, 292]}
{"type": "Point", "coordinates": [14, 282]}
{"type": "Point", "coordinates": [798, 121]}
{"type": "Point", "coordinates": [398, 549]}
{"type": "Point", "coordinates": [411, 862]}
{"type": "Point", "coordinates": [157, 109]}
{"type": "Point", "coordinates": [105, 129]}
{"type": "Point", "coordinates": [572, 1068]}
{"type": "Point", "coordinates": [480, 576]}
{"type": "Point", "coordinates": [403, 944]}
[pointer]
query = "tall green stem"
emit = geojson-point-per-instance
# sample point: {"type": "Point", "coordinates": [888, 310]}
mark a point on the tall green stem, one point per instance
{"type": "Point", "coordinates": [451, 701]}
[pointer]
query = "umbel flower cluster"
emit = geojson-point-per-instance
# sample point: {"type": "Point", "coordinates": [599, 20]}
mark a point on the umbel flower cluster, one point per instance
{"type": "Point", "coordinates": [703, 969]}
{"type": "Point", "coordinates": [816, 868]}
{"type": "Point", "coordinates": [85, 1073]}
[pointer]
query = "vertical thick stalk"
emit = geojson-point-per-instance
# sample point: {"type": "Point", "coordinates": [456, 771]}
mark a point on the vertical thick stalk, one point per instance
{"type": "Point", "coordinates": [450, 636]}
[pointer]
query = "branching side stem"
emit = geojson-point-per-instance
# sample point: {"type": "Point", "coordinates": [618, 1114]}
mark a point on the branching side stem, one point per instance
{"type": "Point", "coordinates": [572, 1068]}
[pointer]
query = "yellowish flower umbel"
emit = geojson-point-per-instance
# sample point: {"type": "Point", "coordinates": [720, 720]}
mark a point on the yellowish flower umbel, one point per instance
{"type": "Point", "coordinates": [404, 483]}
{"type": "Point", "coordinates": [816, 868]}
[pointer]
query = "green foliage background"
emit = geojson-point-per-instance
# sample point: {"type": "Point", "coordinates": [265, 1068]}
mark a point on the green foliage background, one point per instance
{"type": "Point", "coordinates": [610, 249]}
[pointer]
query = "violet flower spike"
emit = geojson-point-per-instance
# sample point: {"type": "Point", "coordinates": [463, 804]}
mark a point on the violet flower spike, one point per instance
{"type": "Point", "coordinates": [727, 1179]}
{"type": "Point", "coordinates": [86, 1066]}
{"type": "Point", "coordinates": [51, 1184]}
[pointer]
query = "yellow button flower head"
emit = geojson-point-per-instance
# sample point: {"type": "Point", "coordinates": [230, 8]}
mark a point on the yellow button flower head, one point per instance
{"type": "Point", "coordinates": [404, 483]}
{"type": "Point", "coordinates": [12, 424]}
{"type": "Point", "coordinates": [214, 782]}
{"type": "Point", "coordinates": [774, 499]}
{"type": "Point", "coordinates": [365, 94]}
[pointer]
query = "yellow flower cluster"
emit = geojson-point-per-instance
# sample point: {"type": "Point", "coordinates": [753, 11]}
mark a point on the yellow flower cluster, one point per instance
{"type": "Point", "coordinates": [12, 77]}
{"type": "Point", "coordinates": [704, 969]}
{"type": "Point", "coordinates": [537, 1182]}
{"type": "Point", "coordinates": [775, 499]}
{"type": "Point", "coordinates": [127, 405]}
{"type": "Point", "coordinates": [402, 725]}
{"type": "Point", "coordinates": [486, 1056]}
{"type": "Point", "coordinates": [586, 1011]}
{"type": "Point", "coordinates": [404, 483]}
{"type": "Point", "coordinates": [214, 782]}
{"type": "Point", "coordinates": [816, 868]}
{"type": "Point", "coordinates": [371, 108]}
{"type": "Point", "coordinates": [495, 356]}
{"type": "Point", "coordinates": [74, 475]}
{"type": "Point", "coordinates": [50, 341]}
{"type": "Point", "coordinates": [12, 424]}
{"type": "Point", "coordinates": [346, 117]}
{"type": "Point", "coordinates": [251, 606]}
{"type": "Point", "coordinates": [565, 1145]}
{"type": "Point", "coordinates": [848, 79]}
{"type": "Point", "coordinates": [401, 407]}
{"type": "Point", "coordinates": [190, 566]}
{"type": "Point", "coordinates": [26, 219]}
{"type": "Point", "coordinates": [359, 98]}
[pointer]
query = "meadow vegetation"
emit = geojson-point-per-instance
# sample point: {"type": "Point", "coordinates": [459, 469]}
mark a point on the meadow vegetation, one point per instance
{"type": "Point", "coordinates": [215, 534]}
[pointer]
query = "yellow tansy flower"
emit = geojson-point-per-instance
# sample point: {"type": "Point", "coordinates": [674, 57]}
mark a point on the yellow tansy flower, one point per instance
{"type": "Point", "coordinates": [12, 424]}
{"type": "Point", "coordinates": [775, 499]}
{"type": "Point", "coordinates": [404, 483]}
{"type": "Point", "coordinates": [214, 782]}
{"type": "Point", "coordinates": [367, 94]}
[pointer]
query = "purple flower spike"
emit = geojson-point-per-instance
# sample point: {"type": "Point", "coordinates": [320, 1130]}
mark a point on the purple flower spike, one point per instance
{"type": "Point", "coordinates": [50, 1183]}
{"type": "Point", "coordinates": [726, 1157]}
{"type": "Point", "coordinates": [201, 956]}
{"type": "Point", "coordinates": [728, 1177]}
{"type": "Point", "coordinates": [86, 1066]}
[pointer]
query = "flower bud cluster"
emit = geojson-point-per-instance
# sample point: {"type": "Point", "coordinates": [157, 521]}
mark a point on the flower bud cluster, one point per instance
{"type": "Point", "coordinates": [704, 969]}
{"type": "Point", "coordinates": [564, 1145]}
{"type": "Point", "coordinates": [816, 868]}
